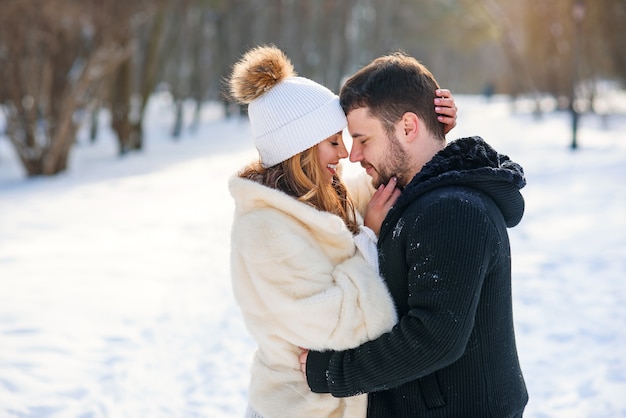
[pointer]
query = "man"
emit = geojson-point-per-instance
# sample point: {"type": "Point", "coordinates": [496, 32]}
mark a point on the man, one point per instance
{"type": "Point", "coordinates": [444, 254]}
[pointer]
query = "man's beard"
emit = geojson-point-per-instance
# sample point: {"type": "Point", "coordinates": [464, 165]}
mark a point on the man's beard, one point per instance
{"type": "Point", "coordinates": [395, 162]}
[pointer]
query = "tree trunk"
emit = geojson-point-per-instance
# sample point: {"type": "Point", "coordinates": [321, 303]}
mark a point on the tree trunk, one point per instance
{"type": "Point", "coordinates": [51, 74]}
{"type": "Point", "coordinates": [121, 106]}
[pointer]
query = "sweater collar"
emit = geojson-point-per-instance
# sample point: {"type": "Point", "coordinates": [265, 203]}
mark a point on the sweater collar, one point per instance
{"type": "Point", "coordinates": [474, 163]}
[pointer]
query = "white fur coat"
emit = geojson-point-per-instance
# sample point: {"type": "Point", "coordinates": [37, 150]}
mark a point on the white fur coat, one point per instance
{"type": "Point", "coordinates": [300, 282]}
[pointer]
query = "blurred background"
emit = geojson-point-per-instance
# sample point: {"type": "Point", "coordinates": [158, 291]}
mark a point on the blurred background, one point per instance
{"type": "Point", "coordinates": [115, 293]}
{"type": "Point", "coordinates": [64, 61]}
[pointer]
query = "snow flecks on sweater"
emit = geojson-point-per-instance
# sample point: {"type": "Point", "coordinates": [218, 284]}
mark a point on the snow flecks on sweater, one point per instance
{"type": "Point", "coordinates": [398, 229]}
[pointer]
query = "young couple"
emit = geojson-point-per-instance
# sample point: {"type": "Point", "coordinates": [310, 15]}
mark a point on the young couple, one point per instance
{"type": "Point", "coordinates": [399, 306]}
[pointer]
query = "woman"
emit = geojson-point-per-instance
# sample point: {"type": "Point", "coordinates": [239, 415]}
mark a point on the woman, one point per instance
{"type": "Point", "coordinates": [299, 255]}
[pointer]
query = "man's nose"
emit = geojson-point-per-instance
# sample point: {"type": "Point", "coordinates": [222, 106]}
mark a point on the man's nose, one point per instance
{"type": "Point", "coordinates": [355, 153]}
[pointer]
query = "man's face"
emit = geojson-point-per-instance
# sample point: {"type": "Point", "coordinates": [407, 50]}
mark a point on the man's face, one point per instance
{"type": "Point", "coordinates": [382, 156]}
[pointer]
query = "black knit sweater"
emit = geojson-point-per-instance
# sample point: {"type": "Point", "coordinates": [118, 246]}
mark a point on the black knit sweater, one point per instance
{"type": "Point", "coordinates": [445, 256]}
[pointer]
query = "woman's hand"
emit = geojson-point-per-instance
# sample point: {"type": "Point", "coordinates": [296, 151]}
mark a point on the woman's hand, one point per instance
{"type": "Point", "coordinates": [379, 205]}
{"type": "Point", "coordinates": [303, 356]}
{"type": "Point", "coordinates": [446, 109]}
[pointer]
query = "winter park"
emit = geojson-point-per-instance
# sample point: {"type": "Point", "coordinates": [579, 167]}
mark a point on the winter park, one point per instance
{"type": "Point", "coordinates": [116, 298]}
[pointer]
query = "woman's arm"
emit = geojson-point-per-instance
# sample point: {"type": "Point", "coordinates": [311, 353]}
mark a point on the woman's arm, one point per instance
{"type": "Point", "coordinates": [311, 299]}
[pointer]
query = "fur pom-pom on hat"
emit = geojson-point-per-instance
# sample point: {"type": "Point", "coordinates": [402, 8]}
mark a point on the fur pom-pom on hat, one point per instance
{"type": "Point", "coordinates": [258, 71]}
{"type": "Point", "coordinates": [288, 114]}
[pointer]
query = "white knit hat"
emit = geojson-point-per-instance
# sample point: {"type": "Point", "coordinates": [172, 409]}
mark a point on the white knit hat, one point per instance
{"type": "Point", "coordinates": [288, 114]}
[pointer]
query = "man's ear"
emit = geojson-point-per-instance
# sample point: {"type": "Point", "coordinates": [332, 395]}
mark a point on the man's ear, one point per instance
{"type": "Point", "coordinates": [410, 125]}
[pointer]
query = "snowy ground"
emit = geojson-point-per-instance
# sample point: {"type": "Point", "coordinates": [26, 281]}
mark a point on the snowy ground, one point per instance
{"type": "Point", "coordinates": [115, 295]}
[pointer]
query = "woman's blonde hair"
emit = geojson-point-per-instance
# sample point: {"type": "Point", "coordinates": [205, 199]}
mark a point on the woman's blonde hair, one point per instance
{"type": "Point", "coordinates": [301, 176]}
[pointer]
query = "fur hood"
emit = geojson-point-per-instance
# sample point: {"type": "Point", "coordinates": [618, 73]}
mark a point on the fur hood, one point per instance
{"type": "Point", "coordinates": [252, 198]}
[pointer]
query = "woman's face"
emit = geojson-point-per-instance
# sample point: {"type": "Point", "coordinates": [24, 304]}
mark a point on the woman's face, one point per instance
{"type": "Point", "coordinates": [330, 151]}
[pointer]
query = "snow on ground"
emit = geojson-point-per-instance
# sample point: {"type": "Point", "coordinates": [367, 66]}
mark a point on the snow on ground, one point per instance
{"type": "Point", "coordinates": [115, 296]}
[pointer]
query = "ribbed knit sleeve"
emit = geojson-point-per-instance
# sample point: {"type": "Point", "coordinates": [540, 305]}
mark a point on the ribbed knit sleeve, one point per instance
{"type": "Point", "coordinates": [446, 243]}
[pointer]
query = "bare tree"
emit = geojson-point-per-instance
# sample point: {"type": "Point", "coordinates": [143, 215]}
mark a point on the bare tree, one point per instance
{"type": "Point", "coordinates": [133, 82]}
{"type": "Point", "coordinates": [52, 57]}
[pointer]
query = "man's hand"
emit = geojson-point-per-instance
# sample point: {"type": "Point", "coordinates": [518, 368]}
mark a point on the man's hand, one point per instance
{"type": "Point", "coordinates": [446, 109]}
{"type": "Point", "coordinates": [303, 357]}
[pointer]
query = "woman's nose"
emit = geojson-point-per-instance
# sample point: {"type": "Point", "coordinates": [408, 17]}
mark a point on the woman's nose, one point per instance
{"type": "Point", "coordinates": [343, 152]}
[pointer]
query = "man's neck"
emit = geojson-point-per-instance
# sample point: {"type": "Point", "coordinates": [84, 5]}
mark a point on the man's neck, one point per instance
{"type": "Point", "coordinates": [424, 151]}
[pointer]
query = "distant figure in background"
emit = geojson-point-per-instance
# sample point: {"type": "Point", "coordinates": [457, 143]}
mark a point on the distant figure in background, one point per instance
{"type": "Point", "coordinates": [489, 90]}
{"type": "Point", "coordinates": [444, 255]}
{"type": "Point", "coordinates": [304, 262]}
